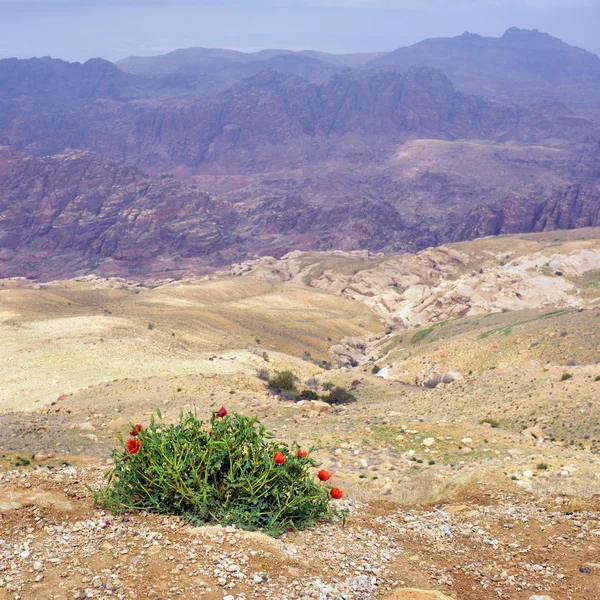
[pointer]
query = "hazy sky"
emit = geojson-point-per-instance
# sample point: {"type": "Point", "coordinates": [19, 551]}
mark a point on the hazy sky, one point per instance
{"type": "Point", "coordinates": [113, 29]}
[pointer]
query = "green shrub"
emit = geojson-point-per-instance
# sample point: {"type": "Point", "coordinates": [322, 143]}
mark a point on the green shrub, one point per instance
{"type": "Point", "coordinates": [375, 369]}
{"type": "Point", "coordinates": [565, 376]}
{"type": "Point", "coordinates": [285, 381]}
{"type": "Point", "coordinates": [227, 473]}
{"type": "Point", "coordinates": [328, 386]}
{"type": "Point", "coordinates": [542, 466]}
{"type": "Point", "coordinates": [339, 395]}
{"type": "Point", "coordinates": [597, 378]}
{"type": "Point", "coordinates": [308, 395]}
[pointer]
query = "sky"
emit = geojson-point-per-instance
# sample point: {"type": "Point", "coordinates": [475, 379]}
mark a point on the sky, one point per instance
{"type": "Point", "coordinates": [113, 29]}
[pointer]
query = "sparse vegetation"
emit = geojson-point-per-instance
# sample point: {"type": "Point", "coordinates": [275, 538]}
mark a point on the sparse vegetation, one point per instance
{"type": "Point", "coordinates": [263, 374]}
{"type": "Point", "coordinates": [227, 471]}
{"type": "Point", "coordinates": [339, 395]}
{"type": "Point", "coordinates": [312, 383]}
{"type": "Point", "coordinates": [285, 381]}
{"type": "Point", "coordinates": [308, 395]}
{"type": "Point", "coordinates": [566, 376]}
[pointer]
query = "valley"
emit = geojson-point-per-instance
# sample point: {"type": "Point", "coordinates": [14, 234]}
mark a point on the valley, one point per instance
{"type": "Point", "coordinates": [390, 258]}
{"type": "Point", "coordinates": [458, 416]}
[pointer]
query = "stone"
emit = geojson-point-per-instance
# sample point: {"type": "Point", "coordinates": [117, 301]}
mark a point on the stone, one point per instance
{"type": "Point", "coordinates": [17, 499]}
{"type": "Point", "coordinates": [317, 406]}
{"type": "Point", "coordinates": [428, 442]}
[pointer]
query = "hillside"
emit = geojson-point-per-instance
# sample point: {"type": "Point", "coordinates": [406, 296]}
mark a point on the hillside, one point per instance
{"type": "Point", "coordinates": [498, 457]}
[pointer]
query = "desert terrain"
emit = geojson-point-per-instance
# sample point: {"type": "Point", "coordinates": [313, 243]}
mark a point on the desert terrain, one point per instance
{"type": "Point", "coordinates": [470, 462]}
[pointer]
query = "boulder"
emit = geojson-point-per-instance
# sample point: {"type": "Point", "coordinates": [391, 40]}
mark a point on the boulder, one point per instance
{"type": "Point", "coordinates": [17, 499]}
{"type": "Point", "coordinates": [316, 405]}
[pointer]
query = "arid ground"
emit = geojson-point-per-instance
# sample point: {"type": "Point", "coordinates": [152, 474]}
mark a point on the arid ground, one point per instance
{"type": "Point", "coordinates": [470, 462]}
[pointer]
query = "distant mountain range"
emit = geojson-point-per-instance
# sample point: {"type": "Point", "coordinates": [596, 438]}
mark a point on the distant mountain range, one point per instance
{"type": "Point", "coordinates": [203, 157]}
{"type": "Point", "coordinates": [522, 66]}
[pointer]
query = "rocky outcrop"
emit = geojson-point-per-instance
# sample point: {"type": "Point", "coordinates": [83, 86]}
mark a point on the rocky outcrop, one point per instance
{"type": "Point", "coordinates": [569, 207]}
{"type": "Point", "coordinates": [437, 284]}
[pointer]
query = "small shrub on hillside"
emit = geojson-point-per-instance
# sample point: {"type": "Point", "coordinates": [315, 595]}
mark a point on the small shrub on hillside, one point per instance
{"type": "Point", "coordinates": [542, 466]}
{"type": "Point", "coordinates": [323, 364]}
{"type": "Point", "coordinates": [375, 369]}
{"type": "Point", "coordinates": [263, 374]}
{"type": "Point", "coordinates": [312, 383]}
{"type": "Point", "coordinates": [339, 395]}
{"type": "Point", "coordinates": [229, 472]}
{"type": "Point", "coordinates": [308, 395]}
{"type": "Point", "coordinates": [597, 378]}
{"type": "Point", "coordinates": [285, 381]}
{"type": "Point", "coordinates": [328, 386]}
{"type": "Point", "coordinates": [566, 376]}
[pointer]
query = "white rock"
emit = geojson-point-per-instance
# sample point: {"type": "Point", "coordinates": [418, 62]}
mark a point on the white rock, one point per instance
{"type": "Point", "coordinates": [428, 442]}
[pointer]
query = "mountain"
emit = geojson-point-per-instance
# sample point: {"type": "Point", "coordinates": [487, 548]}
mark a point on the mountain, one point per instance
{"type": "Point", "coordinates": [78, 212]}
{"type": "Point", "coordinates": [270, 121]}
{"type": "Point", "coordinates": [102, 169]}
{"type": "Point", "coordinates": [226, 67]}
{"type": "Point", "coordinates": [522, 66]}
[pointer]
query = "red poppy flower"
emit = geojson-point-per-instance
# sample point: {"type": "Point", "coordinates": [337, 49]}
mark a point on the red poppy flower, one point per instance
{"type": "Point", "coordinates": [302, 453]}
{"type": "Point", "coordinates": [323, 475]}
{"type": "Point", "coordinates": [136, 430]}
{"type": "Point", "coordinates": [133, 446]}
{"type": "Point", "coordinates": [279, 458]}
{"type": "Point", "coordinates": [222, 413]}
{"type": "Point", "coordinates": [288, 528]}
{"type": "Point", "coordinates": [336, 493]}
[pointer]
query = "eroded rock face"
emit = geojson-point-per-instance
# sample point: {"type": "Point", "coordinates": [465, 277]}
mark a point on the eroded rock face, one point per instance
{"type": "Point", "coordinates": [413, 290]}
{"type": "Point", "coordinates": [78, 212]}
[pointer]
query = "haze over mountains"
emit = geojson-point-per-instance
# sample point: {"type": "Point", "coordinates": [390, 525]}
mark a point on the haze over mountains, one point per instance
{"type": "Point", "coordinates": [447, 140]}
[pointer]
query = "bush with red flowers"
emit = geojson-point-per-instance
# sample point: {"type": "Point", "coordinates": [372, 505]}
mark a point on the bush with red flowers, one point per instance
{"type": "Point", "coordinates": [228, 471]}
